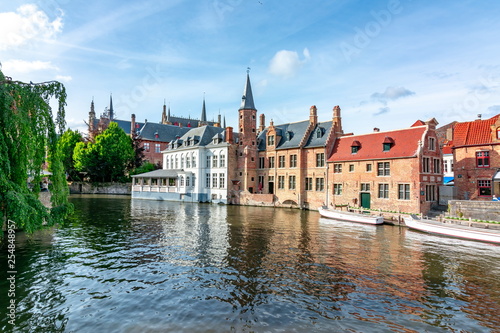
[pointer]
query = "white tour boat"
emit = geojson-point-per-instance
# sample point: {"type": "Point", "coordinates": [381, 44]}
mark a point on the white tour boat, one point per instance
{"type": "Point", "coordinates": [350, 216]}
{"type": "Point", "coordinates": [453, 230]}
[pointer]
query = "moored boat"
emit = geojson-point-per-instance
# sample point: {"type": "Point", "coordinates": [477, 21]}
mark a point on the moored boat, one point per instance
{"type": "Point", "coordinates": [350, 216]}
{"type": "Point", "coordinates": [452, 230]}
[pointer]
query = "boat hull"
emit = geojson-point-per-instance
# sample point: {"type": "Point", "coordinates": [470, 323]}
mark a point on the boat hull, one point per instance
{"type": "Point", "coordinates": [453, 231]}
{"type": "Point", "coordinates": [351, 217]}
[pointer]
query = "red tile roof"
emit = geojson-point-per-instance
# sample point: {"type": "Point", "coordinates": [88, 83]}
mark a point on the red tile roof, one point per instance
{"type": "Point", "coordinates": [405, 145]}
{"type": "Point", "coordinates": [447, 148]}
{"type": "Point", "coordinates": [477, 132]}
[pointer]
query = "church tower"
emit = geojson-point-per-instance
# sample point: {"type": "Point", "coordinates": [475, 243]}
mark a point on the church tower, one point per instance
{"type": "Point", "coordinates": [247, 147]}
{"type": "Point", "coordinates": [91, 123]}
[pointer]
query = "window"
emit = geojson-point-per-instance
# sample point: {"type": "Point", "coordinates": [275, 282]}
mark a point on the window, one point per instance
{"type": "Point", "coordinates": [484, 187]}
{"type": "Point", "coordinates": [426, 164]}
{"type": "Point", "coordinates": [207, 180]}
{"type": "Point", "coordinates": [430, 192]}
{"type": "Point", "coordinates": [271, 179]}
{"type": "Point", "coordinates": [271, 162]}
{"type": "Point", "coordinates": [182, 161]}
{"type": "Point", "coordinates": [337, 189]}
{"type": "Point", "coordinates": [383, 169]}
{"type": "Point", "coordinates": [187, 180]}
{"type": "Point", "coordinates": [181, 180]}
{"type": "Point", "coordinates": [365, 187]}
{"type": "Point", "coordinates": [432, 144]}
{"type": "Point", "coordinates": [188, 161]}
{"type": "Point", "coordinates": [171, 182]}
{"type": "Point", "coordinates": [320, 160]}
{"type": "Point", "coordinates": [281, 163]}
{"type": "Point", "coordinates": [383, 191]}
{"type": "Point", "coordinates": [167, 163]}
{"type": "Point", "coordinates": [483, 159]}
{"type": "Point", "coordinates": [320, 184]}
{"type": "Point", "coordinates": [194, 161]}
{"type": "Point", "coordinates": [157, 147]}
{"type": "Point", "coordinates": [291, 182]}
{"type": "Point", "coordinates": [354, 149]}
{"type": "Point", "coordinates": [146, 146]}
{"type": "Point", "coordinates": [214, 161]}
{"type": "Point", "coordinates": [261, 183]}
{"type": "Point", "coordinates": [176, 162]}
{"type": "Point", "coordinates": [261, 162]}
{"type": "Point", "coordinates": [281, 182]}
{"type": "Point", "coordinates": [270, 140]}
{"type": "Point", "coordinates": [386, 146]}
{"type": "Point", "coordinates": [222, 180]}
{"type": "Point", "coordinates": [293, 161]}
{"type": "Point", "coordinates": [309, 184]}
{"type": "Point", "coordinates": [437, 165]}
{"type": "Point", "coordinates": [351, 167]}
{"type": "Point", "coordinates": [404, 191]}
{"type": "Point", "coordinates": [222, 162]}
{"type": "Point", "coordinates": [214, 180]}
{"type": "Point", "coordinates": [498, 133]}
{"type": "Point", "coordinates": [368, 167]}
{"type": "Point", "coordinates": [337, 168]}
{"type": "Point", "coordinates": [208, 161]}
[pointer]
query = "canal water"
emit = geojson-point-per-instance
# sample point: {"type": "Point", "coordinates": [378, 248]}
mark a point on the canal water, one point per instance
{"type": "Point", "coordinates": [123, 265]}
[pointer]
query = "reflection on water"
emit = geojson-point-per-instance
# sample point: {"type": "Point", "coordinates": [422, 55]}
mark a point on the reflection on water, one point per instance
{"type": "Point", "coordinates": [126, 265]}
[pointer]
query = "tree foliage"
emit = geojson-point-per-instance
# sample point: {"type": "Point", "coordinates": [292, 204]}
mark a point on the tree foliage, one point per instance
{"type": "Point", "coordinates": [108, 157]}
{"type": "Point", "coordinates": [65, 147]}
{"type": "Point", "coordinates": [28, 136]}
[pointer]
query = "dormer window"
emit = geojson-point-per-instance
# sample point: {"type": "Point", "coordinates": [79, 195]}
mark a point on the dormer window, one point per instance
{"type": "Point", "coordinates": [319, 133]}
{"type": "Point", "coordinates": [289, 135]}
{"type": "Point", "coordinates": [156, 135]}
{"type": "Point", "coordinates": [387, 144]}
{"type": "Point", "coordinates": [355, 146]}
{"type": "Point", "coordinates": [270, 140]}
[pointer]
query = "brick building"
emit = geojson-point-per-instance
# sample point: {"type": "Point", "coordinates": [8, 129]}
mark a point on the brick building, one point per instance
{"type": "Point", "coordinates": [396, 170]}
{"type": "Point", "coordinates": [283, 164]}
{"type": "Point", "coordinates": [154, 136]}
{"type": "Point", "coordinates": [476, 151]}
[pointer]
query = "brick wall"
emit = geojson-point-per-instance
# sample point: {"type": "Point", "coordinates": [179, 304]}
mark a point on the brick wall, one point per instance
{"type": "Point", "coordinates": [481, 210]}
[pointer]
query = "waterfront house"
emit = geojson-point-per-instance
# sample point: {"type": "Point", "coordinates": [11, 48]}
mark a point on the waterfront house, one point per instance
{"type": "Point", "coordinates": [195, 168]}
{"type": "Point", "coordinates": [476, 151]}
{"type": "Point", "coordinates": [282, 165]}
{"type": "Point", "coordinates": [397, 170]}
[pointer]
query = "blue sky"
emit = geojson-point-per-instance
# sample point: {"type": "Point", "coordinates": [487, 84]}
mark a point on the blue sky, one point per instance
{"type": "Point", "coordinates": [386, 63]}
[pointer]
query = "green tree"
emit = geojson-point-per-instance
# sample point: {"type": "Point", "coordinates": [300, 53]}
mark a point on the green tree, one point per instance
{"type": "Point", "coordinates": [28, 137]}
{"type": "Point", "coordinates": [107, 158]}
{"type": "Point", "coordinates": [65, 147]}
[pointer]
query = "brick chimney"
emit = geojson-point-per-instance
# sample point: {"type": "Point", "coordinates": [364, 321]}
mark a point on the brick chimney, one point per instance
{"type": "Point", "coordinates": [229, 135]}
{"type": "Point", "coordinates": [313, 116]}
{"type": "Point", "coordinates": [132, 124]}
{"type": "Point", "coordinates": [337, 120]}
{"type": "Point", "coordinates": [262, 122]}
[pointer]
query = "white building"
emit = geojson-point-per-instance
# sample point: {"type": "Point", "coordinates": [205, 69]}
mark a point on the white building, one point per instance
{"type": "Point", "coordinates": [195, 168]}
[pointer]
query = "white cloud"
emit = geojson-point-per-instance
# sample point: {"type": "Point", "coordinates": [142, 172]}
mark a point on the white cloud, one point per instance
{"type": "Point", "coordinates": [286, 63]}
{"type": "Point", "coordinates": [23, 66]}
{"type": "Point", "coordinates": [64, 78]}
{"type": "Point", "coordinates": [27, 23]}
{"type": "Point", "coordinates": [392, 93]}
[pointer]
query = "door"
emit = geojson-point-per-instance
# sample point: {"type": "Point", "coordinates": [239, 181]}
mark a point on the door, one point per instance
{"type": "Point", "coordinates": [271, 187]}
{"type": "Point", "coordinates": [365, 200]}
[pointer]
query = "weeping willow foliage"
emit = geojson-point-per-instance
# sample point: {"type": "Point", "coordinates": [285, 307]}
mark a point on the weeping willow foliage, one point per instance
{"type": "Point", "coordinates": [28, 137]}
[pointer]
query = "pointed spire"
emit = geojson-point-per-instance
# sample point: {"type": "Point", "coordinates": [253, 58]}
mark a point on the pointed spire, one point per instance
{"type": "Point", "coordinates": [168, 113]}
{"type": "Point", "coordinates": [164, 113]}
{"type": "Point", "coordinates": [224, 122]}
{"type": "Point", "coordinates": [247, 99]}
{"type": "Point", "coordinates": [203, 118]}
{"type": "Point", "coordinates": [111, 115]}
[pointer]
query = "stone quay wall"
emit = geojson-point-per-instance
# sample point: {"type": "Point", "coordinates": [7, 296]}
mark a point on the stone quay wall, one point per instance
{"type": "Point", "coordinates": [480, 210]}
{"type": "Point", "coordinates": [100, 188]}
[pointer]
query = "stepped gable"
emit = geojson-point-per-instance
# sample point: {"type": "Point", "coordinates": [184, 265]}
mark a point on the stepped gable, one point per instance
{"type": "Point", "coordinates": [319, 135]}
{"type": "Point", "coordinates": [404, 143]}
{"type": "Point", "coordinates": [477, 132]}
